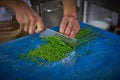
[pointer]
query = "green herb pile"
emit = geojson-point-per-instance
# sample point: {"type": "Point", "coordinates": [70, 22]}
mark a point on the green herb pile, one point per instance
{"type": "Point", "coordinates": [53, 50]}
{"type": "Point", "coordinates": [85, 35]}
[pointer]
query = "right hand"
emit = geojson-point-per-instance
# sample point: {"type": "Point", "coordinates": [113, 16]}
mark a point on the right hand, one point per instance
{"type": "Point", "coordinates": [28, 19]}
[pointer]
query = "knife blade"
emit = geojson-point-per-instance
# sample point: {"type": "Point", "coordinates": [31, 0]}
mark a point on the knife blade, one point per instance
{"type": "Point", "coordinates": [68, 40]}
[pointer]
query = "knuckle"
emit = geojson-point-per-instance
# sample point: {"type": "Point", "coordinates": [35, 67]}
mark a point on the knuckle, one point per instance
{"type": "Point", "coordinates": [64, 17]}
{"type": "Point", "coordinates": [70, 26]}
{"type": "Point", "coordinates": [31, 32]}
{"type": "Point", "coordinates": [71, 19]}
{"type": "Point", "coordinates": [62, 24]}
{"type": "Point", "coordinates": [33, 20]}
{"type": "Point", "coordinates": [21, 22]}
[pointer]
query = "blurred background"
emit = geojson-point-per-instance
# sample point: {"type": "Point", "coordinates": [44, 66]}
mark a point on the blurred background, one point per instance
{"type": "Point", "coordinates": [103, 14]}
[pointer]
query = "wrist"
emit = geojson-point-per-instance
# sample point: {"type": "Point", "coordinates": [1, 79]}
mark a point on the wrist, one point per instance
{"type": "Point", "coordinates": [18, 5]}
{"type": "Point", "coordinates": [69, 7]}
{"type": "Point", "coordinates": [71, 15]}
{"type": "Point", "coordinates": [70, 11]}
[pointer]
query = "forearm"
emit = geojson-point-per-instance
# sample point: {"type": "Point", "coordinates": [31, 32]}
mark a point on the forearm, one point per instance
{"type": "Point", "coordinates": [11, 4]}
{"type": "Point", "coordinates": [69, 8]}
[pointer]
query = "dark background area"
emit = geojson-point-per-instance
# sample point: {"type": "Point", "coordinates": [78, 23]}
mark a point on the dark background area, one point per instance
{"type": "Point", "coordinates": [113, 5]}
{"type": "Point", "coordinates": [37, 2]}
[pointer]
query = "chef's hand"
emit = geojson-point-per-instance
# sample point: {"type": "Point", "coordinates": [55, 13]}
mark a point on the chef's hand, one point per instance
{"type": "Point", "coordinates": [69, 26]}
{"type": "Point", "coordinates": [28, 19]}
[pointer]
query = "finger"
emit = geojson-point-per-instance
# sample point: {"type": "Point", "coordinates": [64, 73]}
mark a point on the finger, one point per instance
{"type": "Point", "coordinates": [40, 26]}
{"type": "Point", "coordinates": [32, 27]}
{"type": "Point", "coordinates": [63, 25]}
{"type": "Point", "coordinates": [26, 27]}
{"type": "Point", "coordinates": [69, 28]}
{"type": "Point", "coordinates": [22, 26]}
{"type": "Point", "coordinates": [72, 34]}
{"type": "Point", "coordinates": [74, 31]}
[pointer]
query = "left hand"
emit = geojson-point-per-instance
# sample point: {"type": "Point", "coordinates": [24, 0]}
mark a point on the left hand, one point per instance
{"type": "Point", "coordinates": [69, 26]}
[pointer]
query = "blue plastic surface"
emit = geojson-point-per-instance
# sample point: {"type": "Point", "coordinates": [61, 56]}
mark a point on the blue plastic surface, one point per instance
{"type": "Point", "coordinates": [102, 62]}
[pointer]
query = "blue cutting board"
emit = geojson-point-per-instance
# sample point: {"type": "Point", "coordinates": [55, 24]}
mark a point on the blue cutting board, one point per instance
{"type": "Point", "coordinates": [102, 62]}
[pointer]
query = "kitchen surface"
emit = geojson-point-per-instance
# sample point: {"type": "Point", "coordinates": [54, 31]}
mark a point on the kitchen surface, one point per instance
{"type": "Point", "coordinates": [96, 59]}
{"type": "Point", "coordinates": [94, 55]}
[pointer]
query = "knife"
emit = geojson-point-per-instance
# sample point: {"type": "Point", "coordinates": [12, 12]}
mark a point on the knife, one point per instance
{"type": "Point", "coordinates": [49, 32]}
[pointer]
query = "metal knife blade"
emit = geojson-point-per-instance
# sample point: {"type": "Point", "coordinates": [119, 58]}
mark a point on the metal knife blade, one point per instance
{"type": "Point", "coordinates": [68, 40]}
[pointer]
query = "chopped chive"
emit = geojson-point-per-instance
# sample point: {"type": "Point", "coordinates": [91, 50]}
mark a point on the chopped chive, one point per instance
{"type": "Point", "coordinates": [55, 49]}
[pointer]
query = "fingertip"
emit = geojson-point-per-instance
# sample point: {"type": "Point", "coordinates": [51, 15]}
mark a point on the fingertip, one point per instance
{"type": "Point", "coordinates": [31, 32]}
{"type": "Point", "coordinates": [39, 29]}
{"type": "Point", "coordinates": [67, 33]}
{"type": "Point", "coordinates": [72, 34]}
{"type": "Point", "coordinates": [61, 29]}
{"type": "Point", "coordinates": [25, 29]}
{"type": "Point", "coordinates": [32, 28]}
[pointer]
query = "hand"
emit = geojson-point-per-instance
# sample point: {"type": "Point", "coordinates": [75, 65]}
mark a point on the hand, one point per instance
{"type": "Point", "coordinates": [69, 26]}
{"type": "Point", "coordinates": [30, 21]}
